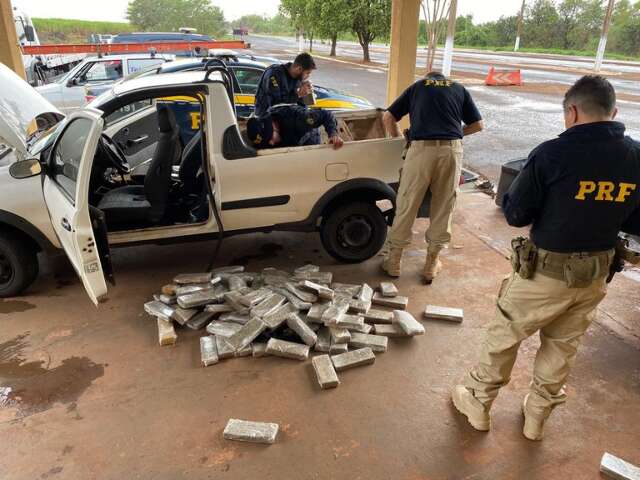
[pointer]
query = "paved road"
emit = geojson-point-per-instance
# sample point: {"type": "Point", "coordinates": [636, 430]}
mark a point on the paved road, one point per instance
{"type": "Point", "coordinates": [535, 68]}
{"type": "Point", "coordinates": [515, 121]}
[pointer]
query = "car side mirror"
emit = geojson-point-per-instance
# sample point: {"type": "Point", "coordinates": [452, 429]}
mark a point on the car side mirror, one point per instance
{"type": "Point", "coordinates": [72, 82]}
{"type": "Point", "coordinates": [25, 168]}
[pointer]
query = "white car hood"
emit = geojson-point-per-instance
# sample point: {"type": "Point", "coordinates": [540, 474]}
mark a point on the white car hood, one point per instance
{"type": "Point", "coordinates": [20, 106]}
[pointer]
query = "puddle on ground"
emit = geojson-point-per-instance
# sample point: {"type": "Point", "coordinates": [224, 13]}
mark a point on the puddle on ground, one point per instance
{"type": "Point", "coordinates": [267, 251]}
{"type": "Point", "coordinates": [31, 387]}
{"type": "Point", "coordinates": [13, 306]}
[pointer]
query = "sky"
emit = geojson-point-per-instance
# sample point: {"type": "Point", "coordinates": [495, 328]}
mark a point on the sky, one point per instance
{"type": "Point", "coordinates": [115, 10]}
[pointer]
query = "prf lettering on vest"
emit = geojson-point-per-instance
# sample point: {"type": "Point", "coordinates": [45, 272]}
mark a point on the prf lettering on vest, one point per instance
{"type": "Point", "coordinates": [605, 191]}
{"type": "Point", "coordinates": [437, 83]}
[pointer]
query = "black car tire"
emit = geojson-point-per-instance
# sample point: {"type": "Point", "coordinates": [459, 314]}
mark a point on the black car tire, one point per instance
{"type": "Point", "coordinates": [354, 232]}
{"type": "Point", "coordinates": [18, 264]}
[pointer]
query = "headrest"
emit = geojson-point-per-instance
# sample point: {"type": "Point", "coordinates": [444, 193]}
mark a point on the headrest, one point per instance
{"type": "Point", "coordinates": [166, 119]}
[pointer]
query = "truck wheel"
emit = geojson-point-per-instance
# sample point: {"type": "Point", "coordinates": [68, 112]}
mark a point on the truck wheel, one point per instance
{"type": "Point", "coordinates": [354, 232]}
{"type": "Point", "coordinates": [18, 264]}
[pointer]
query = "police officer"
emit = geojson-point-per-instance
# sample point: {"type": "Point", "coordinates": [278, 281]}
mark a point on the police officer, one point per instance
{"type": "Point", "coordinates": [284, 83]}
{"type": "Point", "coordinates": [437, 107]}
{"type": "Point", "coordinates": [578, 192]}
{"type": "Point", "coordinates": [290, 126]}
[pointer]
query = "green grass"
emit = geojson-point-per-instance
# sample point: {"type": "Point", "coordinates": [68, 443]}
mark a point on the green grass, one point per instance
{"type": "Point", "coordinates": [62, 30]}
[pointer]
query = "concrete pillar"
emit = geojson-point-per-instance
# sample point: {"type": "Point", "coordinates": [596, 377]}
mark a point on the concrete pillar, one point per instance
{"type": "Point", "coordinates": [10, 53]}
{"type": "Point", "coordinates": [405, 15]}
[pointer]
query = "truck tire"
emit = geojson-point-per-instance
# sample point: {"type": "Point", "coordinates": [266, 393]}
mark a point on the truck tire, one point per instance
{"type": "Point", "coordinates": [18, 264]}
{"type": "Point", "coordinates": [354, 232]}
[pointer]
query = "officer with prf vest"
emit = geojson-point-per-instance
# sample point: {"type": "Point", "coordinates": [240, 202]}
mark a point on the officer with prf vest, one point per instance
{"type": "Point", "coordinates": [442, 112]}
{"type": "Point", "coordinates": [284, 83]}
{"type": "Point", "coordinates": [577, 192]}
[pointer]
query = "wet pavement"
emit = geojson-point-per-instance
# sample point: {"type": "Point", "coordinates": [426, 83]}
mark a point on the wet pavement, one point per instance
{"type": "Point", "coordinates": [88, 393]}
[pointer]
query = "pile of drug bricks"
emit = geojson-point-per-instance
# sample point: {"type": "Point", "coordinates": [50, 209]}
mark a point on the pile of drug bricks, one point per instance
{"type": "Point", "coordinates": [284, 314]}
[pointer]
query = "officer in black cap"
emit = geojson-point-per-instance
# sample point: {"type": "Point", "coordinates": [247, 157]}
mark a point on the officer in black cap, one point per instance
{"type": "Point", "coordinates": [577, 191]}
{"type": "Point", "coordinates": [292, 126]}
{"type": "Point", "coordinates": [284, 83]}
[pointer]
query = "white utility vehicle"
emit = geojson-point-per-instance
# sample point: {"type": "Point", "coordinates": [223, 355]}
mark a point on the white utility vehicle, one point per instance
{"type": "Point", "coordinates": [68, 92]}
{"type": "Point", "coordinates": [71, 186]}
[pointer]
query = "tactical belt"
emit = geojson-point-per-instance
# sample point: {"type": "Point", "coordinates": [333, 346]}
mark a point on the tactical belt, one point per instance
{"type": "Point", "coordinates": [436, 143]}
{"type": "Point", "coordinates": [553, 264]}
{"type": "Point", "coordinates": [577, 269]}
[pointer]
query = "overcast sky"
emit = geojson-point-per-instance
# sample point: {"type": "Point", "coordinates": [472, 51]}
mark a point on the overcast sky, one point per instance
{"type": "Point", "coordinates": [115, 10]}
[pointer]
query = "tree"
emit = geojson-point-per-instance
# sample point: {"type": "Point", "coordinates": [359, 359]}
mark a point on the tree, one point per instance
{"type": "Point", "coordinates": [540, 24]}
{"type": "Point", "coordinates": [170, 15]}
{"type": "Point", "coordinates": [333, 18]}
{"type": "Point", "coordinates": [370, 19]}
{"type": "Point", "coordinates": [435, 12]}
{"type": "Point", "coordinates": [302, 16]}
{"type": "Point", "coordinates": [579, 21]}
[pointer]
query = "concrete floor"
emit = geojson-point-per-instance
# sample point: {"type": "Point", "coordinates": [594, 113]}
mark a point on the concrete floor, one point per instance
{"type": "Point", "coordinates": [94, 396]}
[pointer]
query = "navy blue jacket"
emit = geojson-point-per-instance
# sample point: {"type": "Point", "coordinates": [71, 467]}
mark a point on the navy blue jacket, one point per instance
{"type": "Point", "coordinates": [276, 86]}
{"type": "Point", "coordinates": [299, 125]}
{"type": "Point", "coordinates": [579, 190]}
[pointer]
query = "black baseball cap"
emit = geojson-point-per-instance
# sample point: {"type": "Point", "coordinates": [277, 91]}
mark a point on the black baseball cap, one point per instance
{"type": "Point", "coordinates": [260, 130]}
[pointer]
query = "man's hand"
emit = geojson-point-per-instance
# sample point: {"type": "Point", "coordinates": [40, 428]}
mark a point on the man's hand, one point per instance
{"type": "Point", "coordinates": [473, 128]}
{"type": "Point", "coordinates": [305, 89]}
{"type": "Point", "coordinates": [390, 125]}
{"type": "Point", "coordinates": [336, 141]}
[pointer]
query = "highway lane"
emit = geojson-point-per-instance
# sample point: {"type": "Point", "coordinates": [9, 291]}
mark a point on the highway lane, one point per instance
{"type": "Point", "coordinates": [535, 68]}
{"type": "Point", "coordinates": [515, 121]}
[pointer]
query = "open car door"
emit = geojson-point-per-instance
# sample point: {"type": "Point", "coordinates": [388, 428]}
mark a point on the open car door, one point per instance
{"type": "Point", "coordinates": [66, 193]}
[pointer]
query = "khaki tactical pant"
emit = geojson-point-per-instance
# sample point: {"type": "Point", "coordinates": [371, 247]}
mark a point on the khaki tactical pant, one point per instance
{"type": "Point", "coordinates": [431, 165]}
{"type": "Point", "coordinates": [544, 304]}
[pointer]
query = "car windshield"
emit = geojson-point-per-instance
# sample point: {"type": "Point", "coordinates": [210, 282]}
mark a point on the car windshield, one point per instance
{"type": "Point", "coordinates": [44, 139]}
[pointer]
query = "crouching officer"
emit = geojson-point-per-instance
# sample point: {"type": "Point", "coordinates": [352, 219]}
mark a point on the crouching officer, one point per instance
{"type": "Point", "coordinates": [284, 83]}
{"type": "Point", "coordinates": [578, 192]}
{"type": "Point", "coordinates": [437, 108]}
{"type": "Point", "coordinates": [292, 126]}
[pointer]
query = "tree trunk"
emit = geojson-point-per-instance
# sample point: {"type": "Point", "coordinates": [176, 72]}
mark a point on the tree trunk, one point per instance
{"type": "Point", "coordinates": [311, 43]}
{"type": "Point", "coordinates": [365, 52]}
{"type": "Point", "coordinates": [334, 41]}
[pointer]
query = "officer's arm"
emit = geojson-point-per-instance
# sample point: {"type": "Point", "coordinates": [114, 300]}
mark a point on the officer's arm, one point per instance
{"type": "Point", "coordinates": [396, 111]}
{"type": "Point", "coordinates": [274, 87]}
{"type": "Point", "coordinates": [632, 224]}
{"type": "Point", "coordinates": [390, 124]}
{"type": "Point", "coordinates": [475, 127]}
{"type": "Point", "coordinates": [328, 121]}
{"type": "Point", "coordinates": [470, 116]}
{"type": "Point", "coordinates": [523, 202]}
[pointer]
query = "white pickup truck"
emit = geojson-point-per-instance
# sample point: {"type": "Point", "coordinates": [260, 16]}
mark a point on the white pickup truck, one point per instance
{"type": "Point", "coordinates": [71, 186]}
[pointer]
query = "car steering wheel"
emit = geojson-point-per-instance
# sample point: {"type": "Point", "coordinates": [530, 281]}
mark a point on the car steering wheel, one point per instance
{"type": "Point", "coordinates": [116, 155]}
